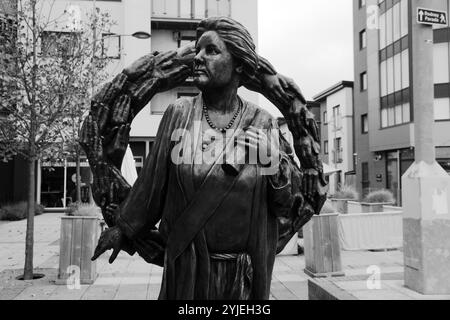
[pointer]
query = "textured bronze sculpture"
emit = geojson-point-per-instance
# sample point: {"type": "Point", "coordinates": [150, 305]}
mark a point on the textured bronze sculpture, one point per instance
{"type": "Point", "coordinates": [219, 228]}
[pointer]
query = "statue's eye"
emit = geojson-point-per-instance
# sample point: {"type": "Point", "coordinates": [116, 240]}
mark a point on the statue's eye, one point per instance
{"type": "Point", "coordinates": [211, 50]}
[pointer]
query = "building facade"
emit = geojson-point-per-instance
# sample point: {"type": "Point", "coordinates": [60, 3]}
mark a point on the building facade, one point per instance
{"type": "Point", "coordinates": [172, 24]}
{"type": "Point", "coordinates": [386, 51]}
{"type": "Point", "coordinates": [336, 127]}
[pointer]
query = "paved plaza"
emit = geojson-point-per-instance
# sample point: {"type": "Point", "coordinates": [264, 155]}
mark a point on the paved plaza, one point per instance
{"type": "Point", "coordinates": [130, 278]}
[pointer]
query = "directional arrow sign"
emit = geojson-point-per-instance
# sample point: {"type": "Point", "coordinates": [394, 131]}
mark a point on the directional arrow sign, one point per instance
{"type": "Point", "coordinates": [432, 17]}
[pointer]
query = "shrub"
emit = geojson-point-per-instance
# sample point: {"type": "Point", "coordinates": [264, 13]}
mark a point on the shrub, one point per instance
{"type": "Point", "coordinates": [347, 192]}
{"type": "Point", "coordinates": [380, 196]}
{"type": "Point", "coordinates": [83, 210]}
{"type": "Point", "coordinates": [327, 208]}
{"type": "Point", "coordinates": [18, 211]}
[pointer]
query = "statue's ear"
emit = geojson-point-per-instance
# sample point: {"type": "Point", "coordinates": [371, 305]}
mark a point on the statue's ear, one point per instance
{"type": "Point", "coordinates": [239, 69]}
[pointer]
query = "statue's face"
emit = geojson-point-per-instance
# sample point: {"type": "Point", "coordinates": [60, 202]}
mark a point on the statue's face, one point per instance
{"type": "Point", "coordinates": [213, 63]}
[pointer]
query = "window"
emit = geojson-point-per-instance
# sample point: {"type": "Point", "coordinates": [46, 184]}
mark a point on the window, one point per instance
{"type": "Point", "coordinates": [325, 118]}
{"type": "Point", "coordinates": [325, 147]}
{"type": "Point", "coordinates": [8, 31]}
{"type": "Point", "coordinates": [365, 176]}
{"type": "Point", "coordinates": [363, 80]}
{"type": "Point", "coordinates": [362, 39]}
{"type": "Point", "coordinates": [364, 124]}
{"type": "Point", "coordinates": [337, 123]}
{"type": "Point", "coordinates": [111, 46]}
{"type": "Point", "coordinates": [440, 59]}
{"type": "Point", "coordinates": [442, 109]}
{"type": "Point", "coordinates": [56, 43]}
{"type": "Point", "coordinates": [338, 150]}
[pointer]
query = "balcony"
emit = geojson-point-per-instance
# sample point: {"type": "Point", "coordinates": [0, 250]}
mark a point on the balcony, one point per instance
{"type": "Point", "coordinates": [185, 14]}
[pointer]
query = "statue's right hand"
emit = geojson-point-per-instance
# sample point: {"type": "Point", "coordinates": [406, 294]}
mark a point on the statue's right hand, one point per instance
{"type": "Point", "coordinates": [141, 66]}
{"type": "Point", "coordinates": [111, 238]}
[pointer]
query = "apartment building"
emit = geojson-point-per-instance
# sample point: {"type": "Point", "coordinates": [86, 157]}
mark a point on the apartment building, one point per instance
{"type": "Point", "coordinates": [387, 46]}
{"type": "Point", "coordinates": [336, 127]}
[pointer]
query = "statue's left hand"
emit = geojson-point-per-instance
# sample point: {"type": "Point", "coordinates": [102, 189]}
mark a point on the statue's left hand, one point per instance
{"type": "Point", "coordinates": [111, 238]}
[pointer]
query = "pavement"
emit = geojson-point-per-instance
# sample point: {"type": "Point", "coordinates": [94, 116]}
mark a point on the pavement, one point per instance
{"type": "Point", "coordinates": [130, 278]}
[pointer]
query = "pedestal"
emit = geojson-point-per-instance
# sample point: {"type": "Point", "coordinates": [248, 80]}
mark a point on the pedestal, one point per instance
{"type": "Point", "coordinates": [426, 229]}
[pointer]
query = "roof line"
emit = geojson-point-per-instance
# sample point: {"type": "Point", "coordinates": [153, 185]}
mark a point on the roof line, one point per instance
{"type": "Point", "coordinates": [333, 89]}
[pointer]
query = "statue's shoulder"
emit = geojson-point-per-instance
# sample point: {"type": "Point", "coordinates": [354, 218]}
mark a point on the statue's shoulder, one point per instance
{"type": "Point", "coordinates": [182, 107]}
{"type": "Point", "coordinates": [261, 116]}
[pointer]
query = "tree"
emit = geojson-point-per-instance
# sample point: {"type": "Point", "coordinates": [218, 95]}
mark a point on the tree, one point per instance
{"type": "Point", "coordinates": [45, 78]}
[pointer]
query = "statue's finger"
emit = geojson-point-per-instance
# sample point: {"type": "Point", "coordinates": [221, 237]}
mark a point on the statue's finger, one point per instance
{"type": "Point", "coordinates": [163, 57]}
{"type": "Point", "coordinates": [114, 255]}
{"type": "Point", "coordinates": [99, 250]}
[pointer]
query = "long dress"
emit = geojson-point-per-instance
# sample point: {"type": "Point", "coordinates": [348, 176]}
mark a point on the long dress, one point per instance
{"type": "Point", "coordinates": [221, 231]}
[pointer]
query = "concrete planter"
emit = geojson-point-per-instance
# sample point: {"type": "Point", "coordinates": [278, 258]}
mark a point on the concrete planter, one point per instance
{"type": "Point", "coordinates": [322, 247]}
{"type": "Point", "coordinates": [341, 205]}
{"type": "Point", "coordinates": [354, 207]}
{"type": "Point", "coordinates": [79, 237]}
{"type": "Point", "coordinates": [374, 207]}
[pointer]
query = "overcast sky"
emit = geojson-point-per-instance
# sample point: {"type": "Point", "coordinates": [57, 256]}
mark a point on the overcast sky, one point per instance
{"type": "Point", "coordinates": [308, 40]}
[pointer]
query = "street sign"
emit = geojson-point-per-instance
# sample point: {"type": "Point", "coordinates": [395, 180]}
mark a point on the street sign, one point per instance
{"type": "Point", "coordinates": [432, 17]}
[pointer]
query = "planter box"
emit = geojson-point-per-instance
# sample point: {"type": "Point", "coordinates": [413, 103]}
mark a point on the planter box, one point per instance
{"type": "Point", "coordinates": [341, 205]}
{"type": "Point", "coordinates": [322, 247]}
{"type": "Point", "coordinates": [354, 207]}
{"type": "Point", "coordinates": [79, 237]}
{"type": "Point", "coordinates": [374, 207]}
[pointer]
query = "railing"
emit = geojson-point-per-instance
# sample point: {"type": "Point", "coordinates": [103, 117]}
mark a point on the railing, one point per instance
{"type": "Point", "coordinates": [190, 9]}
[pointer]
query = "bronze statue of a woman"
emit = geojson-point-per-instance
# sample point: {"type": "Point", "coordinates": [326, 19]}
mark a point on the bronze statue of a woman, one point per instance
{"type": "Point", "coordinates": [215, 226]}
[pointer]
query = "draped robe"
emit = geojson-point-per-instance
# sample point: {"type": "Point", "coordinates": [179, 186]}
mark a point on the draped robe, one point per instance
{"type": "Point", "coordinates": [205, 211]}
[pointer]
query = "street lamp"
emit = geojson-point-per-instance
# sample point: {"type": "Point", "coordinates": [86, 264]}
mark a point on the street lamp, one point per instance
{"type": "Point", "coordinates": [141, 35]}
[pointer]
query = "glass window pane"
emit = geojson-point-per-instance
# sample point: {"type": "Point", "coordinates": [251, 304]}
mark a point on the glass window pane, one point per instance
{"type": "Point", "coordinates": [404, 18]}
{"type": "Point", "coordinates": [383, 75]}
{"type": "Point", "coordinates": [52, 187]}
{"type": "Point", "coordinates": [440, 61]}
{"type": "Point", "coordinates": [398, 114]}
{"type": "Point", "coordinates": [397, 72]}
{"type": "Point", "coordinates": [185, 8]}
{"type": "Point", "coordinates": [384, 118]}
{"type": "Point", "coordinates": [391, 117]}
{"type": "Point", "coordinates": [405, 69]}
{"type": "Point", "coordinates": [158, 7]}
{"type": "Point", "coordinates": [389, 27]}
{"type": "Point", "coordinates": [390, 75]}
{"type": "Point", "coordinates": [213, 8]}
{"type": "Point", "coordinates": [396, 21]}
{"type": "Point", "coordinates": [224, 8]}
{"type": "Point", "coordinates": [442, 109]}
{"type": "Point", "coordinates": [406, 113]}
{"type": "Point", "coordinates": [200, 9]}
{"type": "Point", "coordinates": [382, 24]}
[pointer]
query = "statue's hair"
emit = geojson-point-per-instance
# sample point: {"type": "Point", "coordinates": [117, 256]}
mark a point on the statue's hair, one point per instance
{"type": "Point", "coordinates": [238, 41]}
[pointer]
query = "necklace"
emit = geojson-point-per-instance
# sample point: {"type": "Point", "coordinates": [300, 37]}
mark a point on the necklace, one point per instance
{"type": "Point", "coordinates": [229, 125]}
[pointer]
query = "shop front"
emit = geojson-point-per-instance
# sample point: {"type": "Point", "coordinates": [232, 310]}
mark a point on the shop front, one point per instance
{"type": "Point", "coordinates": [56, 183]}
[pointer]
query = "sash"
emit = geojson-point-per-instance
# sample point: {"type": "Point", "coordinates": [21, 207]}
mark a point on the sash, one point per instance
{"type": "Point", "coordinates": [201, 209]}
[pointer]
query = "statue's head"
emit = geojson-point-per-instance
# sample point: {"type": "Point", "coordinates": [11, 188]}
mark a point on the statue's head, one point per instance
{"type": "Point", "coordinates": [224, 50]}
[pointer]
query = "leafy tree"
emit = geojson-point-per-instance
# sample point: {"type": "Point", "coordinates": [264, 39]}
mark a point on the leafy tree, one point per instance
{"type": "Point", "coordinates": [46, 79]}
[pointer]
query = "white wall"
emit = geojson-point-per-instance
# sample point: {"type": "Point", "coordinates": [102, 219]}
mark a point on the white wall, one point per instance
{"type": "Point", "coordinates": [344, 99]}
